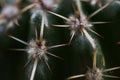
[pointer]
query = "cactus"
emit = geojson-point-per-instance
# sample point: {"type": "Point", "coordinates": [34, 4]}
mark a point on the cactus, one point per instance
{"type": "Point", "coordinates": [59, 39]}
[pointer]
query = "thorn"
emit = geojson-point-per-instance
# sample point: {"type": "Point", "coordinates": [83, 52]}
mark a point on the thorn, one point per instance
{"type": "Point", "coordinates": [82, 33]}
{"type": "Point", "coordinates": [28, 62]}
{"type": "Point", "coordinates": [47, 65]}
{"type": "Point", "coordinates": [109, 76]}
{"type": "Point", "coordinates": [79, 7]}
{"type": "Point", "coordinates": [90, 39]}
{"type": "Point", "coordinates": [99, 22]}
{"type": "Point", "coordinates": [42, 26]}
{"type": "Point", "coordinates": [58, 15]}
{"type": "Point", "coordinates": [94, 59]}
{"type": "Point", "coordinates": [74, 8]}
{"type": "Point", "coordinates": [55, 56]}
{"type": "Point", "coordinates": [103, 61]}
{"type": "Point", "coordinates": [34, 69]}
{"type": "Point", "coordinates": [61, 25]}
{"type": "Point", "coordinates": [36, 33]}
{"type": "Point", "coordinates": [57, 46]}
{"type": "Point", "coordinates": [9, 25]}
{"type": "Point", "coordinates": [18, 49]}
{"type": "Point", "coordinates": [28, 7]}
{"type": "Point", "coordinates": [94, 32]}
{"type": "Point", "coordinates": [16, 22]}
{"type": "Point", "coordinates": [111, 69]}
{"type": "Point", "coordinates": [85, 0]}
{"type": "Point", "coordinates": [46, 21]}
{"type": "Point", "coordinates": [73, 34]}
{"type": "Point", "coordinates": [21, 41]}
{"type": "Point", "coordinates": [88, 68]}
{"type": "Point", "coordinates": [97, 11]}
{"type": "Point", "coordinates": [99, 4]}
{"type": "Point", "coordinates": [74, 77]}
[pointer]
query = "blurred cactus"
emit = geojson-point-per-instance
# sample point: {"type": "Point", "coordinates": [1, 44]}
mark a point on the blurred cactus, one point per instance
{"type": "Point", "coordinates": [82, 34]}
